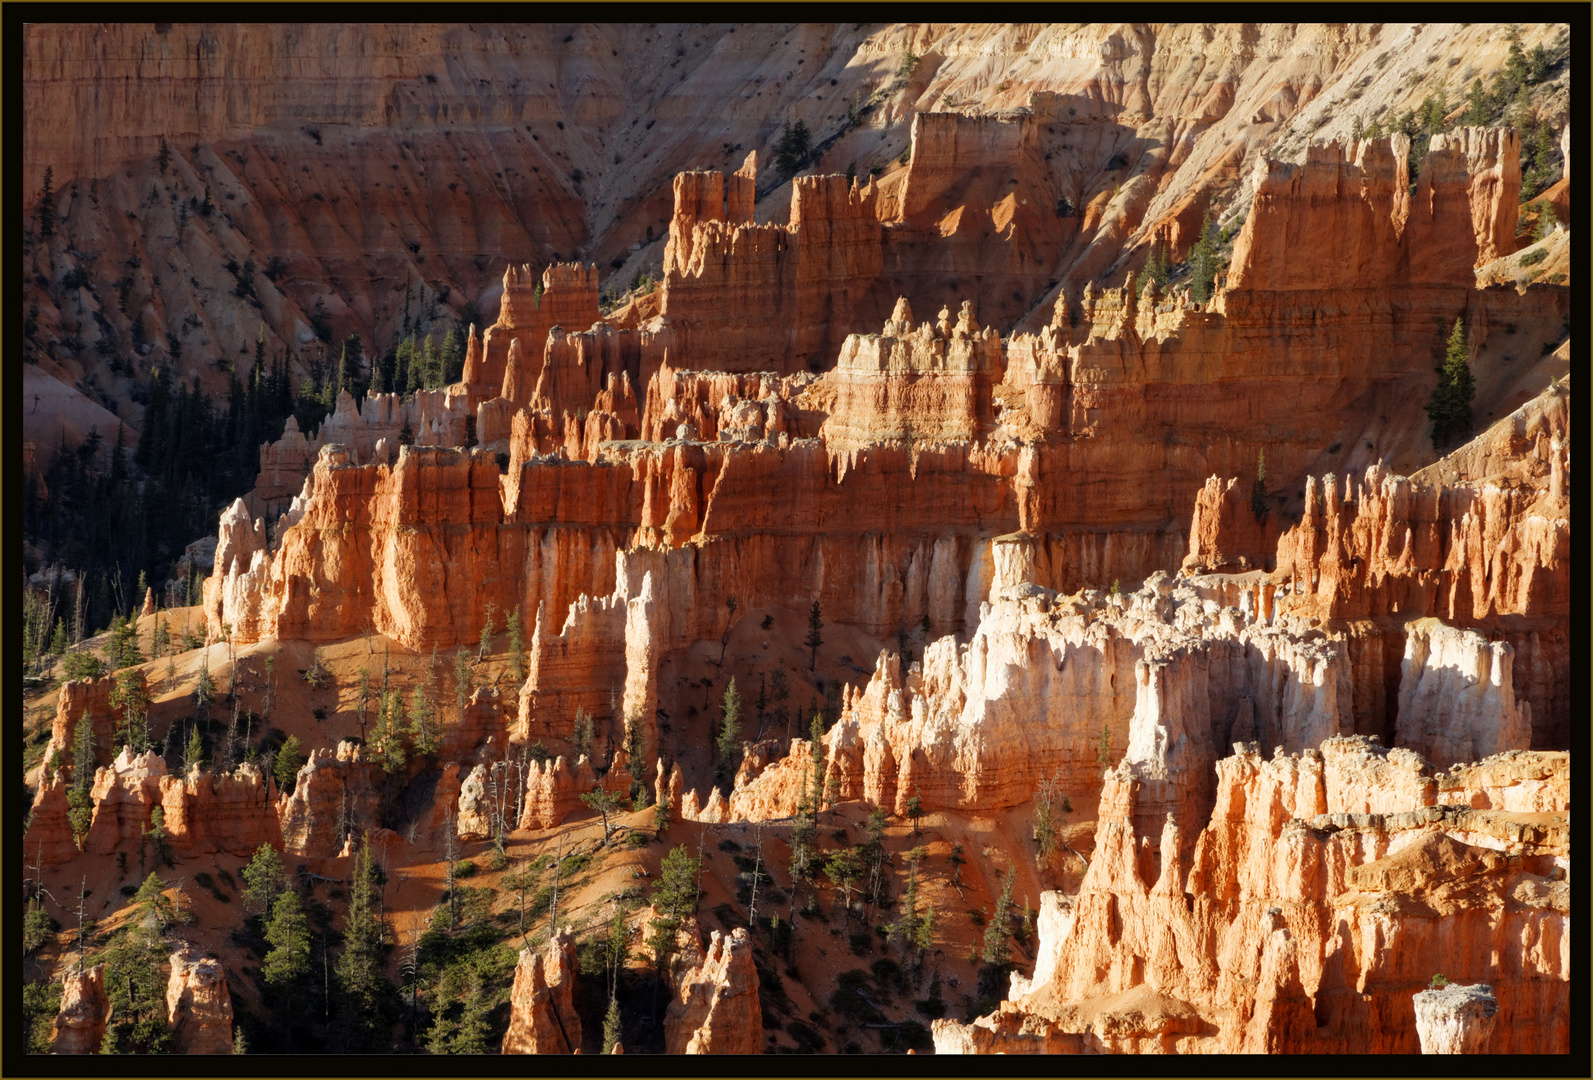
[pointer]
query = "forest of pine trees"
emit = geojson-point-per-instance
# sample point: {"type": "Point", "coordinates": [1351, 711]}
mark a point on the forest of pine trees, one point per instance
{"type": "Point", "coordinates": [119, 518]}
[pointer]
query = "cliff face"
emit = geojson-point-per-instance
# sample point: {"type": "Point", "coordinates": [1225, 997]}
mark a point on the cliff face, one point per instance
{"type": "Point", "coordinates": [333, 799]}
{"type": "Point", "coordinates": [394, 172]}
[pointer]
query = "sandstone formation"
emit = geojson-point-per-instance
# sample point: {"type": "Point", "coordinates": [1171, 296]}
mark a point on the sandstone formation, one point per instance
{"type": "Point", "coordinates": [1456, 1019]}
{"type": "Point", "coordinates": [49, 840]}
{"type": "Point", "coordinates": [80, 698]}
{"type": "Point", "coordinates": [124, 793]}
{"type": "Point", "coordinates": [206, 812]}
{"type": "Point", "coordinates": [1182, 561]}
{"type": "Point", "coordinates": [198, 1004]}
{"type": "Point", "coordinates": [80, 1023]}
{"type": "Point", "coordinates": [542, 1017]}
{"type": "Point", "coordinates": [334, 799]}
{"type": "Point", "coordinates": [716, 1010]}
{"type": "Point", "coordinates": [1303, 884]}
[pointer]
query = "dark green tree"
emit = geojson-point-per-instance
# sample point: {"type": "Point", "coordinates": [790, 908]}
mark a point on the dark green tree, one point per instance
{"type": "Point", "coordinates": [516, 647]}
{"type": "Point", "coordinates": [290, 759]}
{"type": "Point", "coordinates": [364, 992]}
{"type": "Point", "coordinates": [676, 894]}
{"type": "Point", "coordinates": [814, 638]}
{"type": "Point", "coordinates": [287, 931]}
{"type": "Point", "coordinates": [41, 1001]}
{"type": "Point", "coordinates": [1476, 105]}
{"type": "Point", "coordinates": [1449, 408]}
{"type": "Point", "coordinates": [131, 698]}
{"type": "Point", "coordinates": [728, 742]}
{"type": "Point", "coordinates": [135, 982]}
{"type": "Point", "coordinates": [264, 879]}
{"type": "Point", "coordinates": [997, 948]}
{"type": "Point", "coordinates": [607, 803]}
{"type": "Point", "coordinates": [1204, 262]}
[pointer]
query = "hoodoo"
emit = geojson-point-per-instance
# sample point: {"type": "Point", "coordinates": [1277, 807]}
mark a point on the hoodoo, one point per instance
{"type": "Point", "coordinates": [797, 539]}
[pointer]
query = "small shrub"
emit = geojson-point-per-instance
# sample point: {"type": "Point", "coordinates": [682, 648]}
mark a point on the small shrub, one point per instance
{"type": "Point", "coordinates": [636, 840]}
{"type": "Point", "coordinates": [1533, 258]}
{"type": "Point", "coordinates": [497, 861]}
{"type": "Point", "coordinates": [464, 868]}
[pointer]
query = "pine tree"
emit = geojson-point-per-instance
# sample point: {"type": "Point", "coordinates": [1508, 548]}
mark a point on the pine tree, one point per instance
{"type": "Point", "coordinates": [288, 933]}
{"type": "Point", "coordinates": [290, 759]}
{"type": "Point", "coordinates": [997, 949]}
{"type": "Point", "coordinates": [163, 159]}
{"type": "Point", "coordinates": [363, 990]}
{"type": "Point", "coordinates": [1449, 408]}
{"type": "Point", "coordinates": [1203, 262]}
{"type": "Point", "coordinates": [1476, 105]}
{"type": "Point", "coordinates": [728, 741]}
{"type": "Point", "coordinates": [814, 639]}
{"type": "Point", "coordinates": [906, 924]}
{"type": "Point", "coordinates": [611, 1025]}
{"type": "Point", "coordinates": [516, 647]}
{"type": "Point", "coordinates": [264, 879]}
{"type": "Point", "coordinates": [131, 698]}
{"type": "Point", "coordinates": [676, 894]}
{"type": "Point", "coordinates": [80, 805]}
{"type": "Point", "coordinates": [135, 981]}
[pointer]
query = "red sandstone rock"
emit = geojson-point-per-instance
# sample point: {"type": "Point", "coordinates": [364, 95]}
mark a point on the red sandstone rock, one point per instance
{"type": "Point", "coordinates": [731, 288]}
{"type": "Point", "coordinates": [1297, 907]}
{"type": "Point", "coordinates": [124, 793]}
{"type": "Point", "coordinates": [564, 294]}
{"type": "Point", "coordinates": [80, 1023]}
{"type": "Point", "coordinates": [542, 1016]}
{"type": "Point", "coordinates": [334, 799]}
{"type": "Point", "coordinates": [198, 1004]}
{"type": "Point", "coordinates": [716, 1010]}
{"type": "Point", "coordinates": [90, 697]}
{"type": "Point", "coordinates": [1224, 535]}
{"type": "Point", "coordinates": [206, 813]}
{"type": "Point", "coordinates": [553, 790]}
{"type": "Point", "coordinates": [49, 839]}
